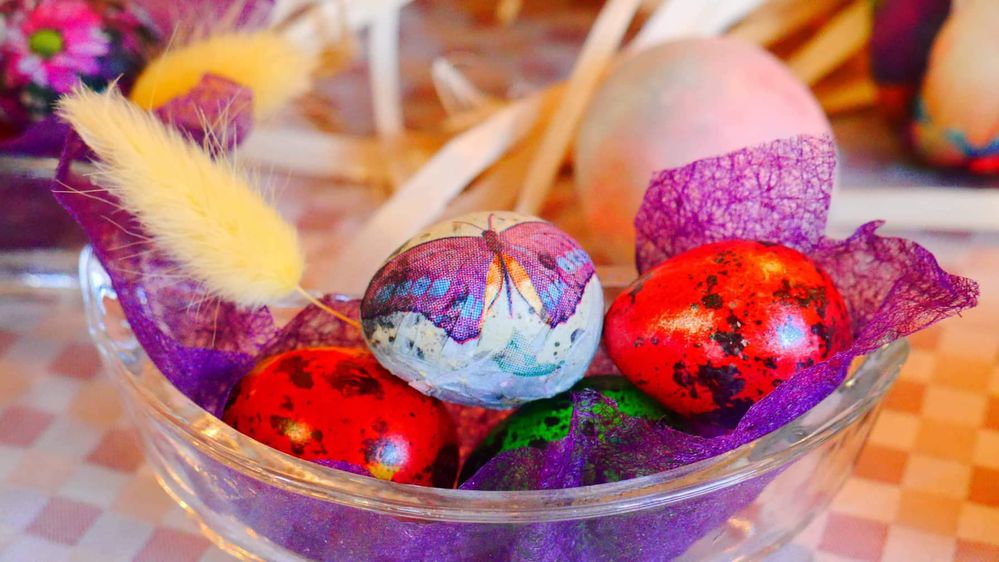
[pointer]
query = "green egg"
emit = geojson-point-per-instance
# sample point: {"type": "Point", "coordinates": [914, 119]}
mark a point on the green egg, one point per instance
{"type": "Point", "coordinates": [538, 423]}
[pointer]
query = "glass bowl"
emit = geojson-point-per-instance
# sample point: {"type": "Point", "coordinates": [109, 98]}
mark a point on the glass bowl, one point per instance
{"type": "Point", "coordinates": [258, 503]}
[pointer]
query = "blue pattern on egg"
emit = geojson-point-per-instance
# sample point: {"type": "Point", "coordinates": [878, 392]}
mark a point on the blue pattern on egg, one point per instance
{"type": "Point", "coordinates": [489, 309]}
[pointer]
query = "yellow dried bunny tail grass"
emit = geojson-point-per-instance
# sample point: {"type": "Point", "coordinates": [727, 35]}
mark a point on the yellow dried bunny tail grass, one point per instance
{"type": "Point", "coordinates": [202, 213]}
{"type": "Point", "coordinates": [273, 67]}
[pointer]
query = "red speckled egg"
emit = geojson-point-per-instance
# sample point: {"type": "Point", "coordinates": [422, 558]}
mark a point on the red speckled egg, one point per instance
{"type": "Point", "coordinates": [713, 330]}
{"type": "Point", "coordinates": [340, 405]}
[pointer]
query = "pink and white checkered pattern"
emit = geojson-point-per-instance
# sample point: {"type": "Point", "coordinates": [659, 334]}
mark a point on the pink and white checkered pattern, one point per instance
{"type": "Point", "coordinates": [73, 485]}
{"type": "Point", "coordinates": [926, 487]}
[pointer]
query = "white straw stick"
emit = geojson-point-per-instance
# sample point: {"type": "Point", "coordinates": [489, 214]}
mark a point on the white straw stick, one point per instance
{"type": "Point", "coordinates": [456, 92]}
{"type": "Point", "coordinates": [314, 154]}
{"type": "Point", "coordinates": [845, 35]}
{"type": "Point", "coordinates": [318, 154]}
{"type": "Point", "coordinates": [673, 18]}
{"type": "Point", "coordinates": [317, 26]}
{"type": "Point", "coordinates": [689, 18]}
{"type": "Point", "coordinates": [359, 13]}
{"type": "Point", "coordinates": [383, 60]}
{"type": "Point", "coordinates": [777, 19]}
{"type": "Point", "coordinates": [726, 14]}
{"type": "Point", "coordinates": [508, 10]}
{"type": "Point", "coordinates": [601, 44]}
{"type": "Point", "coordinates": [497, 189]}
{"type": "Point", "coordinates": [386, 96]}
{"type": "Point", "coordinates": [284, 9]}
{"type": "Point", "coordinates": [425, 194]}
{"type": "Point", "coordinates": [856, 94]}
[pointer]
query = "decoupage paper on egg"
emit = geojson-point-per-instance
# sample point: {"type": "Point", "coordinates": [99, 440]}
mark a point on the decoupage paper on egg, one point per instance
{"type": "Point", "coordinates": [488, 309]}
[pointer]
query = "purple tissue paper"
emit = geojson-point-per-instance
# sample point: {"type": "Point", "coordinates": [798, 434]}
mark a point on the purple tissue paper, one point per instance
{"type": "Point", "coordinates": [216, 99]}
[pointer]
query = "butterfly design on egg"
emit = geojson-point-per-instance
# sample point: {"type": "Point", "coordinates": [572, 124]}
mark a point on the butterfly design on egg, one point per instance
{"type": "Point", "coordinates": [456, 281]}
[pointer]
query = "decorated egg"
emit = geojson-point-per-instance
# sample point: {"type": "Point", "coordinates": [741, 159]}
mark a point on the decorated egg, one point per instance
{"type": "Point", "coordinates": [711, 331]}
{"type": "Point", "coordinates": [50, 46]}
{"type": "Point", "coordinates": [956, 121]}
{"type": "Point", "coordinates": [671, 105]}
{"type": "Point", "coordinates": [338, 405]}
{"type": "Point", "coordinates": [538, 423]}
{"type": "Point", "coordinates": [489, 309]}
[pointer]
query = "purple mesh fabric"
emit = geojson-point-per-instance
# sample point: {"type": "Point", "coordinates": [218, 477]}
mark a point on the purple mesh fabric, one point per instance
{"type": "Point", "coordinates": [218, 98]}
{"type": "Point", "coordinates": [313, 327]}
{"type": "Point", "coordinates": [198, 342]}
{"type": "Point", "coordinates": [777, 192]}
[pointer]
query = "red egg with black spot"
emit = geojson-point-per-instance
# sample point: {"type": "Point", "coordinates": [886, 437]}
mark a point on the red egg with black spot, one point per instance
{"type": "Point", "coordinates": [711, 331]}
{"type": "Point", "coordinates": [339, 405]}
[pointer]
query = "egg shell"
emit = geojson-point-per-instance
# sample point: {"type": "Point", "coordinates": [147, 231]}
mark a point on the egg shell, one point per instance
{"type": "Point", "coordinates": [338, 405]}
{"type": "Point", "coordinates": [544, 421]}
{"type": "Point", "coordinates": [711, 331]}
{"type": "Point", "coordinates": [671, 105]}
{"type": "Point", "coordinates": [51, 46]}
{"type": "Point", "coordinates": [957, 117]}
{"type": "Point", "coordinates": [489, 309]}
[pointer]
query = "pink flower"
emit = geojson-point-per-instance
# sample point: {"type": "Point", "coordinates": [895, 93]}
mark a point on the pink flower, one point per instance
{"type": "Point", "coordinates": [54, 43]}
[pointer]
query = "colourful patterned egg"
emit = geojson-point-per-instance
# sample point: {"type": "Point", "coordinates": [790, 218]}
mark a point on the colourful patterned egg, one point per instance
{"type": "Point", "coordinates": [489, 309]}
{"type": "Point", "coordinates": [544, 421]}
{"type": "Point", "coordinates": [713, 330]}
{"type": "Point", "coordinates": [337, 405]}
{"type": "Point", "coordinates": [50, 46]}
{"type": "Point", "coordinates": [956, 121]}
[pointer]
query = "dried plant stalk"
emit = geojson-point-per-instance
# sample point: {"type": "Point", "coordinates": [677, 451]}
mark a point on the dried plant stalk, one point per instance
{"type": "Point", "coordinates": [684, 18]}
{"type": "Point", "coordinates": [205, 213]}
{"type": "Point", "coordinates": [329, 155]}
{"type": "Point", "coordinates": [845, 35]}
{"type": "Point", "coordinates": [508, 10]}
{"type": "Point", "coordinates": [601, 44]}
{"type": "Point", "coordinates": [777, 19]}
{"type": "Point", "coordinates": [421, 199]}
{"type": "Point", "coordinates": [456, 92]}
{"type": "Point", "coordinates": [498, 188]}
{"type": "Point", "coordinates": [857, 93]}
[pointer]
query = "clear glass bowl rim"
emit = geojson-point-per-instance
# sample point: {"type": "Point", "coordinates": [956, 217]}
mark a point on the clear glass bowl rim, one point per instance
{"type": "Point", "coordinates": [238, 452]}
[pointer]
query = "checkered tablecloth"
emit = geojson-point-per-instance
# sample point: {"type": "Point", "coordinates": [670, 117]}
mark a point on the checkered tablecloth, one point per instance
{"type": "Point", "coordinates": [73, 484]}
